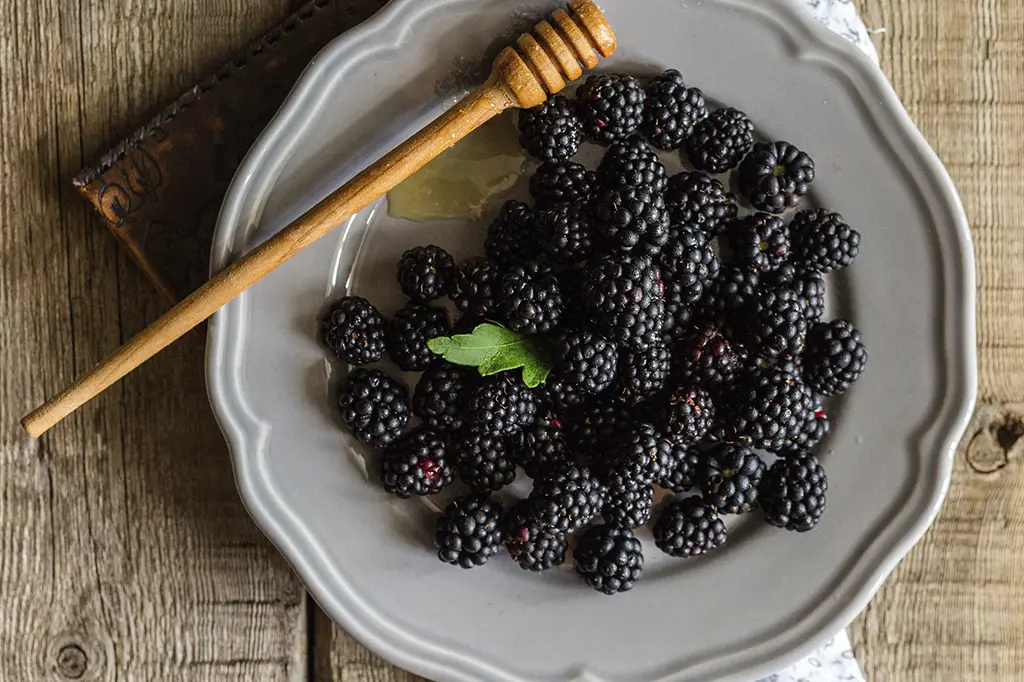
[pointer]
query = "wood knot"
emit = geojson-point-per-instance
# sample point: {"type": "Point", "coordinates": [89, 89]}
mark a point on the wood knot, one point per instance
{"type": "Point", "coordinates": [999, 435]}
{"type": "Point", "coordinates": [72, 662]}
{"type": "Point", "coordinates": [77, 655]}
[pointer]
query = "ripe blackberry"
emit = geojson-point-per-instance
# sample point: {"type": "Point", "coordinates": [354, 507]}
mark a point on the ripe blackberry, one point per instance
{"type": "Point", "coordinates": [510, 238]}
{"type": "Point", "coordinates": [671, 110]}
{"type": "Point", "coordinates": [437, 399]}
{"type": "Point", "coordinates": [815, 428]}
{"type": "Point", "coordinates": [688, 260]}
{"type": "Point", "coordinates": [793, 493]}
{"type": "Point", "coordinates": [416, 464]}
{"type": "Point", "coordinates": [706, 359]}
{"type": "Point", "coordinates": [531, 545]}
{"type": "Point", "coordinates": [483, 461]}
{"type": "Point", "coordinates": [566, 498]}
{"type": "Point", "coordinates": [531, 299]}
{"type": "Point", "coordinates": [682, 475]}
{"type": "Point", "coordinates": [775, 176]}
{"type": "Point", "coordinates": [835, 357]}
{"type": "Point", "coordinates": [729, 476]}
{"type": "Point", "coordinates": [687, 414]}
{"type": "Point", "coordinates": [632, 219]}
{"type": "Point", "coordinates": [469, 531]}
{"type": "Point", "coordinates": [565, 233]}
{"type": "Point", "coordinates": [623, 293]}
{"type": "Point", "coordinates": [699, 202]}
{"type": "Point", "coordinates": [638, 452]}
{"type": "Point", "coordinates": [807, 284]}
{"type": "Point", "coordinates": [551, 131]}
{"type": "Point", "coordinates": [720, 141]}
{"type": "Point", "coordinates": [822, 241]}
{"type": "Point", "coordinates": [354, 331]}
{"type": "Point", "coordinates": [689, 527]}
{"type": "Point", "coordinates": [562, 182]}
{"type": "Point", "coordinates": [611, 107]}
{"type": "Point", "coordinates": [631, 163]}
{"type": "Point", "coordinates": [475, 287]}
{"type": "Point", "coordinates": [411, 328]}
{"type": "Point", "coordinates": [500, 405]}
{"type": "Point", "coordinates": [610, 559]}
{"type": "Point", "coordinates": [559, 393]}
{"type": "Point", "coordinates": [760, 242]}
{"type": "Point", "coordinates": [589, 427]}
{"type": "Point", "coordinates": [425, 273]}
{"type": "Point", "coordinates": [542, 446]}
{"type": "Point", "coordinates": [642, 373]}
{"type": "Point", "coordinates": [586, 360]}
{"type": "Point", "coordinates": [729, 299]}
{"type": "Point", "coordinates": [778, 325]}
{"type": "Point", "coordinates": [768, 410]}
{"type": "Point", "coordinates": [374, 407]}
{"type": "Point", "coordinates": [629, 503]}
{"type": "Point", "coordinates": [680, 314]}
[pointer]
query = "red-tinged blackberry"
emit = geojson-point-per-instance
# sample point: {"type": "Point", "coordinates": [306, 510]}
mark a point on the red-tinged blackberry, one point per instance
{"type": "Point", "coordinates": [426, 273]}
{"type": "Point", "coordinates": [671, 110]}
{"type": "Point", "coordinates": [793, 493]}
{"type": "Point", "coordinates": [689, 527]}
{"type": "Point", "coordinates": [729, 475]}
{"type": "Point", "coordinates": [642, 374]}
{"type": "Point", "coordinates": [475, 287]}
{"type": "Point", "coordinates": [687, 414]}
{"type": "Point", "coordinates": [611, 107]}
{"type": "Point", "coordinates": [759, 242]}
{"type": "Point", "coordinates": [706, 359]}
{"type": "Point", "coordinates": [699, 202]}
{"type": "Point", "coordinates": [682, 475]}
{"type": "Point", "coordinates": [510, 238]}
{"type": "Point", "coordinates": [566, 498]}
{"type": "Point", "coordinates": [632, 219]}
{"type": "Point", "coordinates": [631, 163]}
{"type": "Point", "coordinates": [629, 503]}
{"type": "Point", "coordinates": [566, 233]}
{"type": "Point", "coordinates": [410, 329]}
{"type": "Point", "coordinates": [730, 298]}
{"type": "Point", "coordinates": [562, 182]}
{"type": "Point", "coordinates": [720, 141]}
{"type": "Point", "coordinates": [775, 176]}
{"type": "Point", "coordinates": [591, 426]}
{"type": "Point", "coordinates": [500, 405]}
{"type": "Point", "coordinates": [638, 452]}
{"type": "Point", "coordinates": [559, 393]}
{"type": "Point", "coordinates": [610, 559]}
{"type": "Point", "coordinates": [815, 428]}
{"type": "Point", "coordinates": [807, 284]}
{"type": "Point", "coordinates": [483, 461]}
{"type": "Point", "coordinates": [530, 544]}
{"type": "Point", "coordinates": [778, 324]}
{"type": "Point", "coordinates": [354, 331]}
{"type": "Point", "coordinates": [551, 131]}
{"type": "Point", "coordinates": [768, 410]}
{"type": "Point", "coordinates": [416, 464]}
{"type": "Point", "coordinates": [374, 407]}
{"type": "Point", "coordinates": [531, 298]}
{"type": "Point", "coordinates": [469, 531]}
{"type": "Point", "coordinates": [586, 360]}
{"type": "Point", "coordinates": [542, 446]}
{"type": "Point", "coordinates": [623, 293]}
{"type": "Point", "coordinates": [823, 241]}
{"type": "Point", "coordinates": [835, 357]}
{"type": "Point", "coordinates": [688, 260]}
{"type": "Point", "coordinates": [437, 399]}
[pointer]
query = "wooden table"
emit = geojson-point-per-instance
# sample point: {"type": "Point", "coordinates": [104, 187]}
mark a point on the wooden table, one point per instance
{"type": "Point", "coordinates": [124, 551]}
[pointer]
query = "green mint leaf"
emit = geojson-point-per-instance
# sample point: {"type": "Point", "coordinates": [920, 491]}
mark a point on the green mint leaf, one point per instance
{"type": "Point", "coordinates": [493, 349]}
{"type": "Point", "coordinates": [535, 374]}
{"type": "Point", "coordinates": [440, 345]}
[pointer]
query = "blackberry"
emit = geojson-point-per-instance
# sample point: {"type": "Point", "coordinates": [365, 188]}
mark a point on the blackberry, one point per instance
{"type": "Point", "coordinates": [562, 182]}
{"type": "Point", "coordinates": [729, 299]}
{"type": "Point", "coordinates": [560, 394]}
{"type": "Point", "coordinates": [778, 325]}
{"type": "Point", "coordinates": [671, 110]}
{"type": "Point", "coordinates": [483, 462]}
{"type": "Point", "coordinates": [475, 287]}
{"type": "Point", "coordinates": [682, 475]}
{"type": "Point", "coordinates": [500, 405]}
{"type": "Point", "coordinates": [706, 359]}
{"type": "Point", "coordinates": [551, 131]}
{"type": "Point", "coordinates": [835, 357]}
{"type": "Point", "coordinates": [680, 314]}
{"type": "Point", "coordinates": [591, 426]}
{"type": "Point", "coordinates": [437, 398]}
{"type": "Point", "coordinates": [807, 284]}
{"type": "Point", "coordinates": [531, 299]}
{"type": "Point", "coordinates": [416, 464]}
{"type": "Point", "coordinates": [566, 498]}
{"type": "Point", "coordinates": [822, 241]}
{"type": "Point", "coordinates": [374, 407]}
{"type": "Point", "coordinates": [793, 493]}
{"type": "Point", "coordinates": [426, 273]}
{"type": "Point", "coordinates": [638, 452]}
{"type": "Point", "coordinates": [531, 545]}
{"type": "Point", "coordinates": [623, 293]}
{"type": "Point", "coordinates": [611, 107]}
{"type": "Point", "coordinates": [542, 446]}
{"type": "Point", "coordinates": [688, 260]}
{"type": "Point", "coordinates": [687, 414]}
{"type": "Point", "coordinates": [354, 331]}
{"type": "Point", "coordinates": [729, 476]}
{"type": "Point", "coordinates": [565, 233]}
{"type": "Point", "coordinates": [642, 373]}
{"type": "Point", "coordinates": [699, 202]}
{"type": "Point", "coordinates": [510, 238]}
{"type": "Point", "coordinates": [689, 527]}
{"type": "Point", "coordinates": [571, 282]}
{"type": "Point", "coordinates": [586, 360]}
{"type": "Point", "coordinates": [632, 219]}
{"type": "Point", "coordinates": [610, 559]}
{"type": "Point", "coordinates": [720, 141]}
{"type": "Point", "coordinates": [629, 503]}
{"type": "Point", "coordinates": [411, 328]}
{"type": "Point", "coordinates": [768, 410]}
{"type": "Point", "coordinates": [815, 428]}
{"type": "Point", "coordinates": [631, 163]}
{"type": "Point", "coordinates": [469, 531]}
{"type": "Point", "coordinates": [775, 176]}
{"type": "Point", "coordinates": [760, 242]}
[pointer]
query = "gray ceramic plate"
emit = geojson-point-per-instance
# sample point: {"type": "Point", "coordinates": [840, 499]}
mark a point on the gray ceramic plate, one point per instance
{"type": "Point", "coordinates": [768, 598]}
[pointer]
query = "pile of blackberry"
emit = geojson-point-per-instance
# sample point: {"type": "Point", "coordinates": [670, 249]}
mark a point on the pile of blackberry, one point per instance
{"type": "Point", "coordinates": [691, 362]}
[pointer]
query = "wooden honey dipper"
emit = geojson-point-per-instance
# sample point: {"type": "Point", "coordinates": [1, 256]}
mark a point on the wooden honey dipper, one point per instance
{"type": "Point", "coordinates": [522, 76]}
